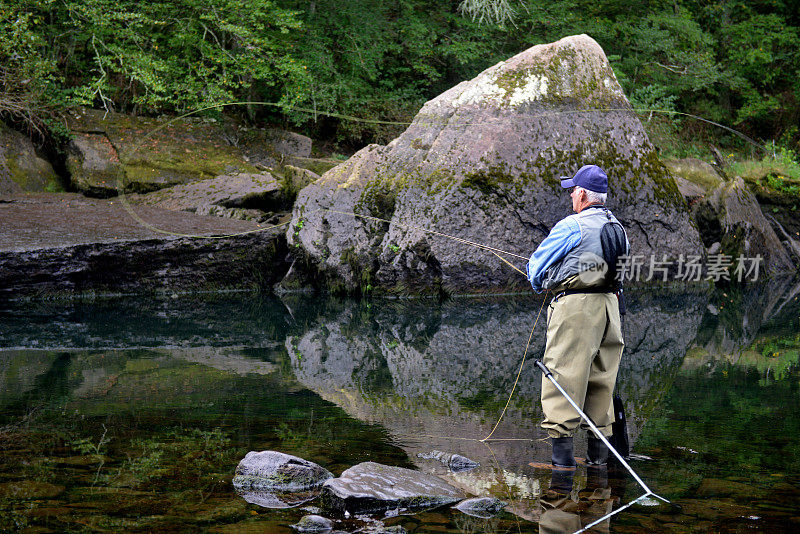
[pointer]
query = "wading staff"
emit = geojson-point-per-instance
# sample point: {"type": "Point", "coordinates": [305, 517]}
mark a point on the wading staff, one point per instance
{"type": "Point", "coordinates": [597, 432]}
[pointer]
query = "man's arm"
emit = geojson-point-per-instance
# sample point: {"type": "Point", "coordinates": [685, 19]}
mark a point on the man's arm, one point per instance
{"type": "Point", "coordinates": [564, 236]}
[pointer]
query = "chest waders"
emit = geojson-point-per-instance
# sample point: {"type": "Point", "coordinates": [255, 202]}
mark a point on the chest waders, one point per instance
{"type": "Point", "coordinates": [600, 436]}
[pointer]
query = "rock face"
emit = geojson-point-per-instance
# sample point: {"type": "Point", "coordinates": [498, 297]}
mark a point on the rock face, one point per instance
{"type": "Point", "coordinates": [21, 169]}
{"type": "Point", "coordinates": [373, 488]}
{"type": "Point", "coordinates": [731, 216]}
{"type": "Point", "coordinates": [226, 191]}
{"type": "Point", "coordinates": [272, 470]}
{"type": "Point", "coordinates": [148, 154]}
{"type": "Point", "coordinates": [482, 162]}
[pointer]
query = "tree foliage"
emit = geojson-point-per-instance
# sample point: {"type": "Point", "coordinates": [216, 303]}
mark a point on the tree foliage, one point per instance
{"type": "Point", "coordinates": [728, 60]}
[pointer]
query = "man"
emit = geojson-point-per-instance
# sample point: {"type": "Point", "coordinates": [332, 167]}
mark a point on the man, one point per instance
{"type": "Point", "coordinates": [577, 262]}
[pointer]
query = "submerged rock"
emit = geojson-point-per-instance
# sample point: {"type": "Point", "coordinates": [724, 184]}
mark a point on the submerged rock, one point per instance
{"type": "Point", "coordinates": [272, 470]}
{"type": "Point", "coordinates": [313, 523]}
{"type": "Point", "coordinates": [455, 462]}
{"type": "Point", "coordinates": [482, 162]}
{"type": "Point", "coordinates": [483, 507]}
{"type": "Point", "coordinates": [370, 487]}
{"type": "Point", "coordinates": [29, 489]}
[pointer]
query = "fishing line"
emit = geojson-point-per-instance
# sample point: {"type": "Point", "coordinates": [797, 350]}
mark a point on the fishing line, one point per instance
{"type": "Point", "coordinates": [343, 116]}
{"type": "Point", "coordinates": [495, 251]}
{"type": "Point", "coordinates": [500, 473]}
{"type": "Point", "coordinates": [352, 118]}
{"type": "Point", "coordinates": [516, 381]}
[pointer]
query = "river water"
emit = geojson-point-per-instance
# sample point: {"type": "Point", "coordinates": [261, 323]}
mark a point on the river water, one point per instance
{"type": "Point", "coordinates": [131, 414]}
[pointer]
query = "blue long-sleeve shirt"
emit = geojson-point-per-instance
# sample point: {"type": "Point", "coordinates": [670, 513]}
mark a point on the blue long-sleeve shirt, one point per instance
{"type": "Point", "coordinates": [564, 236]}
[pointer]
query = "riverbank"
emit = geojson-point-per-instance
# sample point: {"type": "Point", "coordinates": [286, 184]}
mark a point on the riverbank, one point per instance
{"type": "Point", "coordinates": [476, 169]}
{"type": "Point", "coordinates": [69, 245]}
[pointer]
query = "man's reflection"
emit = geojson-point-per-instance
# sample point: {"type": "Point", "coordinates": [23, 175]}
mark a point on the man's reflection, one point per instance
{"type": "Point", "coordinates": [564, 510]}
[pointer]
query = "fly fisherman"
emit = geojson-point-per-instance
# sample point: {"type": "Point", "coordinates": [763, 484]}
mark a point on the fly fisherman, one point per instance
{"type": "Point", "coordinates": [577, 261]}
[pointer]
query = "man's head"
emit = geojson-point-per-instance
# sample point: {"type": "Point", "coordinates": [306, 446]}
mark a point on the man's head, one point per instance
{"type": "Point", "coordinates": [590, 187]}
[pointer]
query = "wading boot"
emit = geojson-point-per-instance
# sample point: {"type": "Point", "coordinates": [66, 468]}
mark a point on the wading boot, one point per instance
{"type": "Point", "coordinates": [562, 452]}
{"type": "Point", "coordinates": [596, 452]}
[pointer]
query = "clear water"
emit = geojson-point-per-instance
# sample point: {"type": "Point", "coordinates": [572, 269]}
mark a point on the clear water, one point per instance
{"type": "Point", "coordinates": [131, 414]}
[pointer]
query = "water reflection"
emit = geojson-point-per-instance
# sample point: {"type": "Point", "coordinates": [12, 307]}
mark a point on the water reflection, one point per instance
{"type": "Point", "coordinates": [706, 378]}
{"type": "Point", "coordinates": [429, 372]}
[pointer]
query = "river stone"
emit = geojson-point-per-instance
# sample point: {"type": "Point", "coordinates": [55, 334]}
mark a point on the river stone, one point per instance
{"type": "Point", "coordinates": [148, 153]}
{"type": "Point", "coordinates": [483, 507]}
{"type": "Point", "coordinates": [370, 487]}
{"type": "Point", "coordinates": [313, 523]}
{"type": "Point", "coordinates": [482, 162]}
{"type": "Point", "coordinates": [93, 164]}
{"type": "Point", "coordinates": [289, 143]}
{"type": "Point", "coordinates": [298, 177]}
{"type": "Point", "coordinates": [241, 214]}
{"type": "Point", "coordinates": [694, 172]}
{"type": "Point", "coordinates": [272, 470]}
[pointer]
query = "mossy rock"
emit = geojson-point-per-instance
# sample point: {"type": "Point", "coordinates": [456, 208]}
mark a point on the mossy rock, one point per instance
{"type": "Point", "coordinates": [481, 163]}
{"type": "Point", "coordinates": [695, 171]}
{"type": "Point", "coordinates": [113, 150]}
{"type": "Point", "coordinates": [22, 170]}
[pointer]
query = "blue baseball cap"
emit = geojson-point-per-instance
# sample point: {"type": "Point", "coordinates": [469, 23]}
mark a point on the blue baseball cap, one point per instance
{"type": "Point", "coordinates": [589, 177]}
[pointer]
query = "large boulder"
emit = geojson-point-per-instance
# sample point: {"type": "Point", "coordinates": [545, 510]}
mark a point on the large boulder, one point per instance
{"type": "Point", "coordinates": [482, 162]}
{"type": "Point", "coordinates": [370, 487]}
{"type": "Point", "coordinates": [21, 168]}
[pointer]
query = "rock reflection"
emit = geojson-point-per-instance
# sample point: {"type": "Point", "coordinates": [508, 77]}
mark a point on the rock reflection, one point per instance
{"type": "Point", "coordinates": [735, 319]}
{"type": "Point", "coordinates": [274, 499]}
{"type": "Point", "coordinates": [438, 375]}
